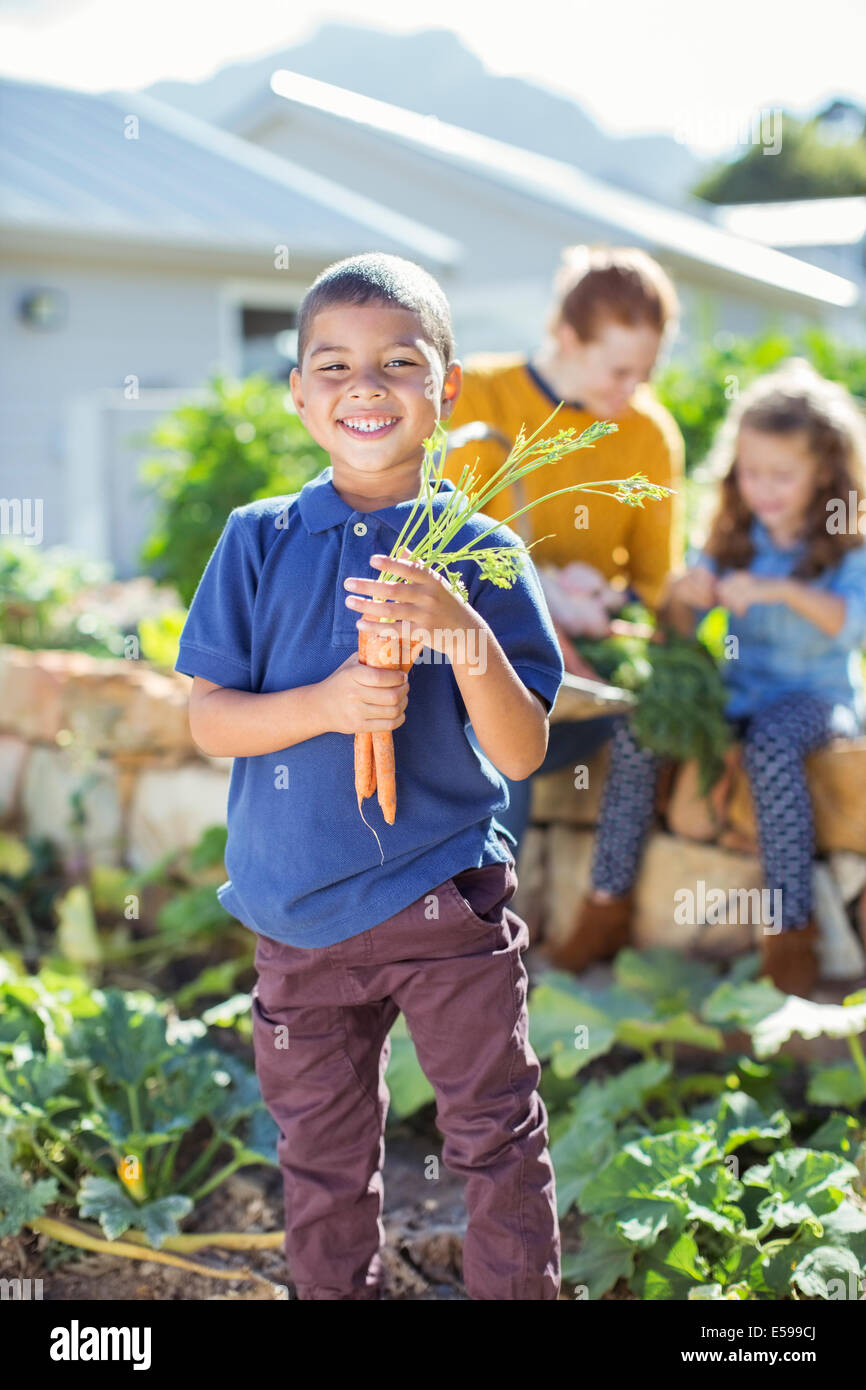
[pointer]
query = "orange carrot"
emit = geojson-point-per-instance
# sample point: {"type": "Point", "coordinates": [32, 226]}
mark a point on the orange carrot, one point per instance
{"type": "Point", "coordinates": [365, 767]}
{"type": "Point", "coordinates": [388, 652]}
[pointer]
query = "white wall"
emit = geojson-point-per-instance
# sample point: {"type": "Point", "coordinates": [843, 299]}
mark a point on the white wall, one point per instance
{"type": "Point", "coordinates": [165, 328]}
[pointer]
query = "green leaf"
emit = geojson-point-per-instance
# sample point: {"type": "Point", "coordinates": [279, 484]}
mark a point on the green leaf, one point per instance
{"type": "Point", "coordinates": [643, 1187]}
{"type": "Point", "coordinates": [674, 983]}
{"type": "Point", "coordinates": [109, 1203]}
{"type": "Point", "coordinates": [683, 1028]}
{"type": "Point", "coordinates": [808, 1019]}
{"type": "Point", "coordinates": [602, 1259]}
{"type": "Point", "coordinates": [16, 858]}
{"type": "Point", "coordinates": [839, 1085]}
{"type": "Point", "coordinates": [116, 1212]}
{"type": "Point", "coordinates": [838, 1133]}
{"type": "Point", "coordinates": [77, 937]}
{"type": "Point", "coordinates": [127, 1039]}
{"type": "Point", "coordinates": [160, 1219]}
{"type": "Point", "coordinates": [802, 1183]}
{"type": "Point", "coordinates": [404, 1078]}
{"type": "Point", "coordinates": [557, 1010]}
{"type": "Point", "coordinates": [263, 1133]}
{"type": "Point", "coordinates": [671, 1269]}
{"type": "Point", "coordinates": [577, 1156]}
{"type": "Point", "coordinates": [21, 1201]}
{"type": "Point", "coordinates": [823, 1264]}
{"type": "Point", "coordinates": [739, 1120]}
{"type": "Point", "coordinates": [741, 1005]}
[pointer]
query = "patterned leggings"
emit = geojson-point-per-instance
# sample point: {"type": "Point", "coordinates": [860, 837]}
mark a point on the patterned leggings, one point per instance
{"type": "Point", "coordinates": [775, 742]}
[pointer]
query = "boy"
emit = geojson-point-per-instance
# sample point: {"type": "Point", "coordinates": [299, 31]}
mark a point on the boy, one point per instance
{"type": "Point", "coordinates": [346, 941]}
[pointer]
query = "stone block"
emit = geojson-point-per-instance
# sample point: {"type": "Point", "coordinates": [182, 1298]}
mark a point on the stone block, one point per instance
{"type": "Point", "coordinates": [13, 757]}
{"type": "Point", "coordinates": [569, 797]}
{"type": "Point", "coordinates": [54, 780]}
{"type": "Point", "coordinates": [171, 807]}
{"type": "Point", "coordinates": [677, 882]}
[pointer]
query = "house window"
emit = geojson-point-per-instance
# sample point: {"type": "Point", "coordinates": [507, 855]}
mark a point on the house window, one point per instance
{"type": "Point", "coordinates": [269, 342]}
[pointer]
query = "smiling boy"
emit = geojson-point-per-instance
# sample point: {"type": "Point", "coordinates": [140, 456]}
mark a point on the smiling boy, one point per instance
{"type": "Point", "coordinates": [347, 940]}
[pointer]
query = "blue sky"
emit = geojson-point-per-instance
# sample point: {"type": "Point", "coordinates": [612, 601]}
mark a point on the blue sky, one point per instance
{"type": "Point", "coordinates": [695, 69]}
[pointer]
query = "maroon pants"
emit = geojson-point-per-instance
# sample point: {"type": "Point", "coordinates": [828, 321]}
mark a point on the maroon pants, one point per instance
{"type": "Point", "coordinates": [451, 963]}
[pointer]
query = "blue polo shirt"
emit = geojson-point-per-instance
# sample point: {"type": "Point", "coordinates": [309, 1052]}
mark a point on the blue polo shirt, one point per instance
{"type": "Point", "coordinates": [270, 614]}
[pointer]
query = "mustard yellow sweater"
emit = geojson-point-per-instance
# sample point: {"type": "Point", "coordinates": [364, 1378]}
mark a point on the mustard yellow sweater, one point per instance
{"type": "Point", "coordinates": [631, 546]}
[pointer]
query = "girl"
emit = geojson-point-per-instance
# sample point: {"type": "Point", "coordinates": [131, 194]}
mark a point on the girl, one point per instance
{"type": "Point", "coordinates": [786, 561]}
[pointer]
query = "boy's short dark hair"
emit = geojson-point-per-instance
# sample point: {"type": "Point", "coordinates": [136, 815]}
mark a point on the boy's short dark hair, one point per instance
{"type": "Point", "coordinates": [377, 278]}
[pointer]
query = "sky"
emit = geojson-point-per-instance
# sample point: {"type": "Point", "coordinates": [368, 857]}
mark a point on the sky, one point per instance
{"type": "Point", "coordinates": [698, 70]}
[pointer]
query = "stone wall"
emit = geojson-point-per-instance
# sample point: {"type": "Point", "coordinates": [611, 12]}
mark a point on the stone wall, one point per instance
{"type": "Point", "coordinates": [96, 755]}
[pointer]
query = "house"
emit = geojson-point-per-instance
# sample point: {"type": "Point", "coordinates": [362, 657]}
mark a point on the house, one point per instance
{"type": "Point", "coordinates": [142, 250]}
{"type": "Point", "coordinates": [513, 210]}
{"type": "Point", "coordinates": [828, 232]}
{"type": "Point", "coordinates": [145, 248]}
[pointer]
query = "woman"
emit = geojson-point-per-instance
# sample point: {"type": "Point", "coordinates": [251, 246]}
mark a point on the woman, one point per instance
{"type": "Point", "coordinates": [614, 310]}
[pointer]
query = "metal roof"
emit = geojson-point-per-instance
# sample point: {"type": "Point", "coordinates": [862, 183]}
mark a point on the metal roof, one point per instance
{"type": "Point", "coordinates": [553, 182]}
{"type": "Point", "coordinates": [804, 222]}
{"type": "Point", "coordinates": [67, 167]}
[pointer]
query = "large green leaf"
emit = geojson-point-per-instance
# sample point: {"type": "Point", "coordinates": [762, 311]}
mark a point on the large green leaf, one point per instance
{"type": "Point", "coordinates": [671, 1269]}
{"type": "Point", "coordinates": [801, 1183]}
{"type": "Point", "coordinates": [839, 1133]}
{"type": "Point", "coordinates": [739, 1119]}
{"type": "Point", "coordinates": [808, 1019]}
{"type": "Point", "coordinates": [671, 980]}
{"type": "Point", "coordinates": [566, 1026]}
{"type": "Point", "coordinates": [839, 1085]}
{"type": "Point", "coordinates": [741, 1005]}
{"type": "Point", "coordinates": [824, 1264]}
{"type": "Point", "coordinates": [712, 1193]}
{"type": "Point", "coordinates": [643, 1187]}
{"type": "Point", "coordinates": [127, 1039]}
{"type": "Point", "coordinates": [601, 1260]}
{"type": "Point", "coordinates": [21, 1201]}
{"type": "Point", "coordinates": [116, 1212]}
{"type": "Point", "coordinates": [682, 1028]}
{"type": "Point", "coordinates": [577, 1155]}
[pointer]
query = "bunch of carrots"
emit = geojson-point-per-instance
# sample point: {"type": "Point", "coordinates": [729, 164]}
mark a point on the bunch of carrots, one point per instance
{"type": "Point", "coordinates": [374, 752]}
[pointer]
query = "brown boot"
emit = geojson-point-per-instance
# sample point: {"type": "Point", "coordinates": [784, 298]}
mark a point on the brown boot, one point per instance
{"type": "Point", "coordinates": [601, 929]}
{"type": "Point", "coordinates": [790, 959]}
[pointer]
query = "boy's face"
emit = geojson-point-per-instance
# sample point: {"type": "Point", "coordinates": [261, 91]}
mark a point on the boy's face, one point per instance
{"type": "Point", "coordinates": [611, 365]}
{"type": "Point", "coordinates": [370, 389]}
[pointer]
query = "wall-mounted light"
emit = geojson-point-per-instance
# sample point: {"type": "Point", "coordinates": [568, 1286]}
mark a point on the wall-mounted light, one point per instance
{"type": "Point", "coordinates": [43, 309]}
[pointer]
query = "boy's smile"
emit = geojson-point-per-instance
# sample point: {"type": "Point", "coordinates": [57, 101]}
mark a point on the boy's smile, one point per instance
{"type": "Point", "coordinates": [370, 390]}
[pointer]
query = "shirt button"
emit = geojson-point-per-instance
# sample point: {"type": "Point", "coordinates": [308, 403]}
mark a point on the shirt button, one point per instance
{"type": "Point", "coordinates": [360, 528]}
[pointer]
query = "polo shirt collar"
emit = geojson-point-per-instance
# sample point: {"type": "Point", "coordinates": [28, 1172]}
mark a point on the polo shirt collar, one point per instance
{"type": "Point", "coordinates": [322, 507]}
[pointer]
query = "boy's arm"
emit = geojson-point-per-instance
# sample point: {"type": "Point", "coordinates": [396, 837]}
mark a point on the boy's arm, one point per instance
{"type": "Point", "coordinates": [509, 720]}
{"type": "Point", "coordinates": [227, 723]}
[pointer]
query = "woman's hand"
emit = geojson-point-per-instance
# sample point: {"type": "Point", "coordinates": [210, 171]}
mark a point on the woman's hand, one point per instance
{"type": "Point", "coordinates": [571, 658]}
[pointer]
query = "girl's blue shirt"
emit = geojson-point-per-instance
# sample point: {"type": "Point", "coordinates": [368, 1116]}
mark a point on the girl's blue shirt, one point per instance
{"type": "Point", "coordinates": [779, 652]}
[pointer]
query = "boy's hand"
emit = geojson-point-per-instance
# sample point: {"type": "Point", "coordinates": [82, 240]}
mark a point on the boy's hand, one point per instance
{"type": "Point", "coordinates": [697, 587]}
{"type": "Point", "coordinates": [357, 699]}
{"type": "Point", "coordinates": [427, 613]}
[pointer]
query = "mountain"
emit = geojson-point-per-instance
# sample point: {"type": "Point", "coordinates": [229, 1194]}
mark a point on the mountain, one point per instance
{"type": "Point", "coordinates": [434, 73]}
